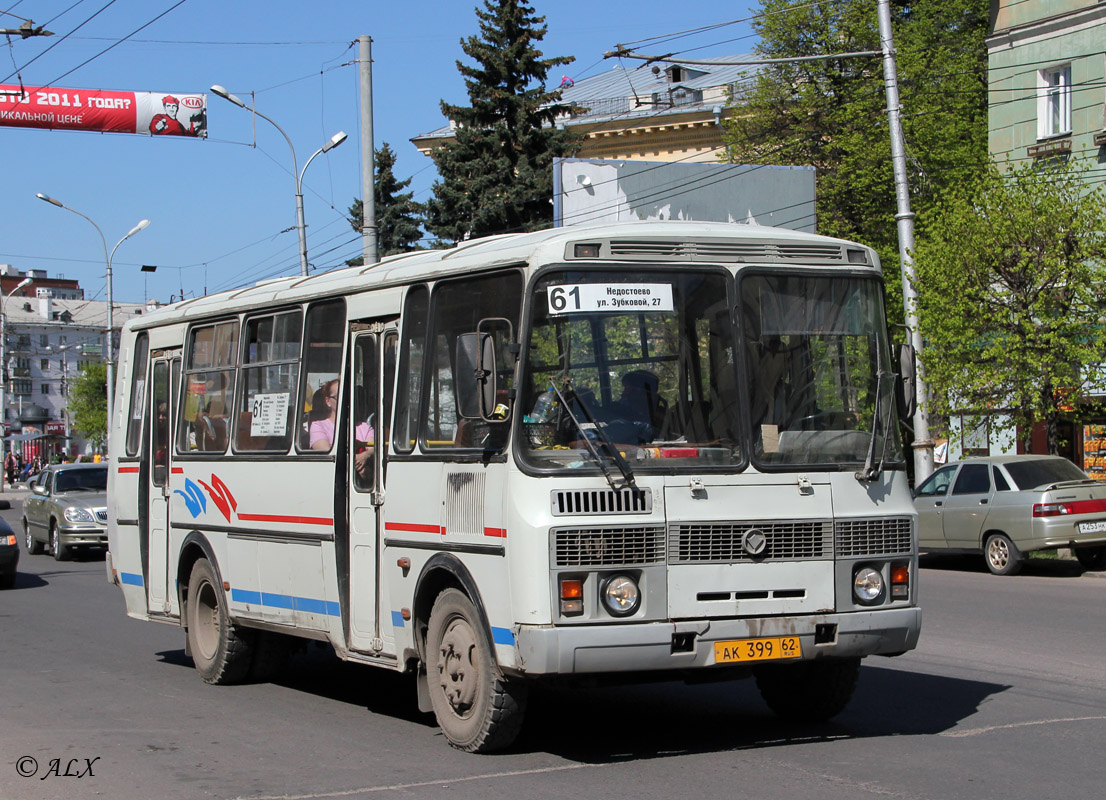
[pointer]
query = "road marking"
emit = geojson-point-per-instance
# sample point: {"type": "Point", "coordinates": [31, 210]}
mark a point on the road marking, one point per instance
{"type": "Point", "coordinates": [439, 782]}
{"type": "Point", "coordinates": [978, 731]}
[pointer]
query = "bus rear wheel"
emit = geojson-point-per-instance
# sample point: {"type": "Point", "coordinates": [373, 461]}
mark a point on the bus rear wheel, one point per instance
{"type": "Point", "coordinates": [477, 709]}
{"type": "Point", "coordinates": [810, 691]}
{"type": "Point", "coordinates": [220, 651]}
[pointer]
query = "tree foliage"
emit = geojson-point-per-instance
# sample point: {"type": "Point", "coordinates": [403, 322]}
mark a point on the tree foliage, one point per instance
{"type": "Point", "coordinates": [1009, 295]}
{"type": "Point", "coordinates": [497, 172]}
{"type": "Point", "coordinates": [88, 403]}
{"type": "Point", "coordinates": [832, 114]}
{"type": "Point", "coordinates": [398, 216]}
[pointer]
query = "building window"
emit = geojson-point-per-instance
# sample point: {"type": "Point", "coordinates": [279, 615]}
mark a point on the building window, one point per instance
{"type": "Point", "coordinates": [1054, 102]}
{"type": "Point", "coordinates": [44, 340]}
{"type": "Point", "coordinates": [21, 387]}
{"type": "Point", "coordinates": [44, 364]}
{"type": "Point", "coordinates": [45, 388]}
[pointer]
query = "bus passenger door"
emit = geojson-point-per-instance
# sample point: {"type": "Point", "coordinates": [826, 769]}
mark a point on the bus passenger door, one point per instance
{"type": "Point", "coordinates": [373, 354]}
{"type": "Point", "coordinates": [157, 456]}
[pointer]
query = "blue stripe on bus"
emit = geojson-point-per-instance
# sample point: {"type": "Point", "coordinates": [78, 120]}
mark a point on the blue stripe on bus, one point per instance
{"type": "Point", "coordinates": [306, 604]}
{"type": "Point", "coordinates": [397, 619]}
{"type": "Point", "coordinates": [503, 636]}
{"type": "Point", "coordinates": [131, 578]}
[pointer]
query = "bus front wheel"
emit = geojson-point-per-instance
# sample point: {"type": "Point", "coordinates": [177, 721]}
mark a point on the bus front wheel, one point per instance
{"type": "Point", "coordinates": [478, 710]}
{"type": "Point", "coordinates": [220, 651]}
{"type": "Point", "coordinates": [810, 691]}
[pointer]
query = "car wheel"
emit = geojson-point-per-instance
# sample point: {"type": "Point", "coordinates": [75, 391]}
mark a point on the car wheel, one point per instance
{"type": "Point", "coordinates": [1002, 555]}
{"type": "Point", "coordinates": [1092, 558]}
{"type": "Point", "coordinates": [810, 691]}
{"type": "Point", "coordinates": [477, 709]}
{"type": "Point", "coordinates": [221, 651]}
{"type": "Point", "coordinates": [60, 551]}
{"type": "Point", "coordinates": [34, 546]}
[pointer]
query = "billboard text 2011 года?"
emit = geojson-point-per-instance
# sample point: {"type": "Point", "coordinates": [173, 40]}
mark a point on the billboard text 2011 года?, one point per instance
{"type": "Point", "coordinates": [151, 113]}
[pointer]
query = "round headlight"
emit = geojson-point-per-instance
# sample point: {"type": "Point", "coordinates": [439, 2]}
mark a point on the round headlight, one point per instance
{"type": "Point", "coordinates": [621, 595]}
{"type": "Point", "coordinates": [868, 585]}
{"type": "Point", "coordinates": [74, 514]}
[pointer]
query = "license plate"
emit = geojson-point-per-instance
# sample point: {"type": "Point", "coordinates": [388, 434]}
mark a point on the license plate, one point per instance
{"type": "Point", "coordinates": [744, 650]}
{"type": "Point", "coordinates": [1092, 527]}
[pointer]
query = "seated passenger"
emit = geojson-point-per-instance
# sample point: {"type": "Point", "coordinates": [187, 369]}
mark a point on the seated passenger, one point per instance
{"type": "Point", "coordinates": [324, 413]}
{"type": "Point", "coordinates": [638, 412]}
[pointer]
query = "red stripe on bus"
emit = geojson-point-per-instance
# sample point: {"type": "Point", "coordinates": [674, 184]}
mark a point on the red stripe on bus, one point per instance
{"type": "Point", "coordinates": [177, 470]}
{"type": "Point", "coordinates": [127, 469]}
{"type": "Point", "coordinates": [498, 532]}
{"type": "Point", "coordinates": [408, 527]}
{"type": "Point", "coordinates": [280, 518]}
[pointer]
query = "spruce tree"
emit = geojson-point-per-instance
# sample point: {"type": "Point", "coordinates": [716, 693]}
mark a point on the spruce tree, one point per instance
{"type": "Point", "coordinates": [398, 216]}
{"type": "Point", "coordinates": [497, 172]}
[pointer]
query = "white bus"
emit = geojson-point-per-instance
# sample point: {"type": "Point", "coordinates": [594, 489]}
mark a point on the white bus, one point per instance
{"type": "Point", "coordinates": [662, 449]}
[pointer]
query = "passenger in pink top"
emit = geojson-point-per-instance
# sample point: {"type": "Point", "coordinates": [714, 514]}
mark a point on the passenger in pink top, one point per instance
{"type": "Point", "coordinates": [321, 431]}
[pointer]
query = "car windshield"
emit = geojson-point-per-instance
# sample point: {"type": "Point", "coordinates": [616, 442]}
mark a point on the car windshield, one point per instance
{"type": "Point", "coordinates": [646, 363]}
{"type": "Point", "coordinates": [76, 480]}
{"type": "Point", "coordinates": [818, 369]}
{"type": "Point", "coordinates": [1038, 472]}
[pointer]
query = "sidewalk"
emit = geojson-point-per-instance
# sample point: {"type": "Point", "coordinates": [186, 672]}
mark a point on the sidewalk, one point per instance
{"type": "Point", "coordinates": [14, 494]}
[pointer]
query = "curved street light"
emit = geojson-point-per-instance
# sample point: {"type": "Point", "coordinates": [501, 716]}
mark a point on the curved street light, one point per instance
{"type": "Point", "coordinates": [110, 349]}
{"type": "Point", "coordinates": [297, 173]}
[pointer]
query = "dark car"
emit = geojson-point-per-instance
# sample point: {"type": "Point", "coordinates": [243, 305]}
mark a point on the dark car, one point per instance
{"type": "Point", "coordinates": [1006, 506]}
{"type": "Point", "coordinates": [67, 509]}
{"type": "Point", "coordinates": [9, 555]}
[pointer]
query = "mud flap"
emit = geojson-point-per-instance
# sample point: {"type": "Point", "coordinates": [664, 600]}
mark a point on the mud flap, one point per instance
{"type": "Point", "coordinates": [423, 690]}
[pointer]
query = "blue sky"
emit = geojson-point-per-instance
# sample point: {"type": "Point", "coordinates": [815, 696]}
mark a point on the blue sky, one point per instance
{"type": "Point", "coordinates": [222, 211]}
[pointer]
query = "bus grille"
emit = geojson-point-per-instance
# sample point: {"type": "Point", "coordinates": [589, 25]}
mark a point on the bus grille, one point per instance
{"type": "Point", "coordinates": [873, 536]}
{"type": "Point", "coordinates": [605, 547]}
{"type": "Point", "coordinates": [722, 542]}
{"type": "Point", "coordinates": [567, 503]}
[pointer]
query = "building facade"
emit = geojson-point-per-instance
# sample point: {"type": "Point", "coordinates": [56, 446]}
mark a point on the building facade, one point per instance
{"type": "Point", "coordinates": [48, 340]}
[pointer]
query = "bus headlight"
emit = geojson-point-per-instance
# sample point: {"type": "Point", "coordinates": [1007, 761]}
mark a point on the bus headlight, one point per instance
{"type": "Point", "coordinates": [867, 585]}
{"type": "Point", "coordinates": [621, 595]}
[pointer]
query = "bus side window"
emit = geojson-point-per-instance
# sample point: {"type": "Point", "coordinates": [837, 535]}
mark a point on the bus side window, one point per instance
{"type": "Point", "coordinates": [138, 395]}
{"type": "Point", "coordinates": [324, 335]}
{"type": "Point", "coordinates": [457, 308]}
{"type": "Point", "coordinates": [270, 380]}
{"type": "Point", "coordinates": [411, 369]}
{"type": "Point", "coordinates": [208, 397]}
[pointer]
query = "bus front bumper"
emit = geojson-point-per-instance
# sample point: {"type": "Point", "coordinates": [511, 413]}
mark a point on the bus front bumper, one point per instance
{"type": "Point", "coordinates": [689, 644]}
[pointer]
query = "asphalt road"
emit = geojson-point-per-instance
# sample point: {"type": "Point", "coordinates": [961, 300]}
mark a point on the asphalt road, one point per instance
{"type": "Point", "coordinates": [1004, 698]}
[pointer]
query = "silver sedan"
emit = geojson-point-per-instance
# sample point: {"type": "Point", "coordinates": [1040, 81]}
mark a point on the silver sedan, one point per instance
{"type": "Point", "coordinates": [1006, 506]}
{"type": "Point", "coordinates": [67, 508]}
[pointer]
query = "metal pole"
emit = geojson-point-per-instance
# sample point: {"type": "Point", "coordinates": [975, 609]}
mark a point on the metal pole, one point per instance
{"type": "Point", "coordinates": [369, 241]}
{"type": "Point", "coordinates": [923, 445]}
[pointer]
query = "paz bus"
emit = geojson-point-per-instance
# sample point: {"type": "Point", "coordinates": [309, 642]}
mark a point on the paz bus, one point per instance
{"type": "Point", "coordinates": [646, 449]}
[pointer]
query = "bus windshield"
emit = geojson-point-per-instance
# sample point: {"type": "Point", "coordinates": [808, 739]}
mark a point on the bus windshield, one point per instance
{"type": "Point", "coordinates": [819, 375]}
{"type": "Point", "coordinates": [644, 361]}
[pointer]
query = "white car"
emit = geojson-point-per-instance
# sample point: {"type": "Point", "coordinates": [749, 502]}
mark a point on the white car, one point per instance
{"type": "Point", "coordinates": [1006, 506]}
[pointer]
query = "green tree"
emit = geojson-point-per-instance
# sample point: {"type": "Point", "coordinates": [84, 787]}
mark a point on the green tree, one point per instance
{"type": "Point", "coordinates": [497, 172]}
{"type": "Point", "coordinates": [1009, 296]}
{"type": "Point", "coordinates": [831, 114]}
{"type": "Point", "coordinates": [88, 403]}
{"type": "Point", "coordinates": [398, 216]}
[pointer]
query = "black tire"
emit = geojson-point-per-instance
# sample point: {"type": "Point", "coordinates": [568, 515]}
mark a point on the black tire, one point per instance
{"type": "Point", "coordinates": [34, 546]}
{"type": "Point", "coordinates": [1092, 558]}
{"type": "Point", "coordinates": [220, 651]}
{"type": "Point", "coordinates": [478, 710]}
{"type": "Point", "coordinates": [60, 551]}
{"type": "Point", "coordinates": [1002, 555]}
{"type": "Point", "coordinates": [810, 691]}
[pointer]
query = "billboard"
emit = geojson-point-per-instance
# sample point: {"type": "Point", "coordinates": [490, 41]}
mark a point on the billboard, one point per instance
{"type": "Point", "coordinates": [594, 190]}
{"type": "Point", "coordinates": [151, 113]}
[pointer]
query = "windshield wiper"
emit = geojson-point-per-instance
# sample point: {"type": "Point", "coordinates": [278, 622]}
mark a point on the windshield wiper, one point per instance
{"type": "Point", "coordinates": [620, 462]}
{"type": "Point", "coordinates": [870, 471]}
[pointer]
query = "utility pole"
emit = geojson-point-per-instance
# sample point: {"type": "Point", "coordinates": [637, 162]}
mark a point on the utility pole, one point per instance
{"type": "Point", "coordinates": [368, 155]}
{"type": "Point", "coordinates": [904, 217]}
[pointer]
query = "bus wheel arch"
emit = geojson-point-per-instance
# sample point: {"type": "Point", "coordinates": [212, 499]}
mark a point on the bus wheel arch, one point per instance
{"type": "Point", "coordinates": [443, 571]}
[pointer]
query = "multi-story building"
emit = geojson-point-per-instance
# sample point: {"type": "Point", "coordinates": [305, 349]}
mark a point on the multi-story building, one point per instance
{"type": "Point", "coordinates": [48, 340]}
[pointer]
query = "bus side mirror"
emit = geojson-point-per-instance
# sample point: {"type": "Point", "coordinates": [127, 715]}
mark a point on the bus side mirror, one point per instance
{"type": "Point", "coordinates": [906, 385]}
{"type": "Point", "coordinates": [470, 380]}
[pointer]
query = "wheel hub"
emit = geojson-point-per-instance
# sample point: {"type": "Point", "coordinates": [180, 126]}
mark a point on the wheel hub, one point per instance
{"type": "Point", "coordinates": [457, 672]}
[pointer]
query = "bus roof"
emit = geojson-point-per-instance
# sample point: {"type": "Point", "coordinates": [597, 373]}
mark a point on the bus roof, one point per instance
{"type": "Point", "coordinates": [621, 242]}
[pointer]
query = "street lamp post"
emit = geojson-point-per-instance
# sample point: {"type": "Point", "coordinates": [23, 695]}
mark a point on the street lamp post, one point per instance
{"type": "Point", "coordinates": [297, 174]}
{"type": "Point", "coordinates": [4, 380]}
{"type": "Point", "coordinates": [110, 348]}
